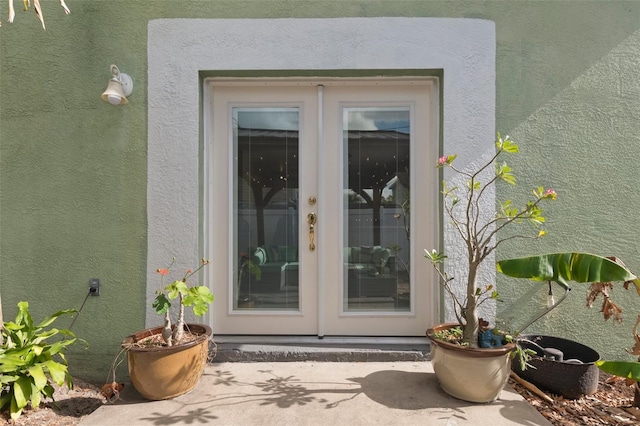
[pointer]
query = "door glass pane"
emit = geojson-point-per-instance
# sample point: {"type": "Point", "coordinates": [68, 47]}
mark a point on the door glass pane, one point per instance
{"type": "Point", "coordinates": [266, 208]}
{"type": "Point", "coordinates": [376, 203]}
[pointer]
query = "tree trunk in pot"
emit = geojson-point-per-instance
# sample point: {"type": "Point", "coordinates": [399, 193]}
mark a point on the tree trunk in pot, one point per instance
{"type": "Point", "coordinates": [471, 313]}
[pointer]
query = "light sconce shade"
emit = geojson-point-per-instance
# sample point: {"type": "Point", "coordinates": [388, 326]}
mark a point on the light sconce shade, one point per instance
{"type": "Point", "coordinates": [120, 86]}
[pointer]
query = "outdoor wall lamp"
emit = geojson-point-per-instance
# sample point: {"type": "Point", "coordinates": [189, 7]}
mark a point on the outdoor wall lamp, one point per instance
{"type": "Point", "coordinates": [120, 86]}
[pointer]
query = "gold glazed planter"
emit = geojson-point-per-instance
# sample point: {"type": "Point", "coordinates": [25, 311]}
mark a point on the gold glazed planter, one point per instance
{"type": "Point", "coordinates": [474, 375]}
{"type": "Point", "coordinates": [164, 372]}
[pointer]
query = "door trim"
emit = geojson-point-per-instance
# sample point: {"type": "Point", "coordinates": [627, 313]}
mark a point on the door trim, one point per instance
{"type": "Point", "coordinates": [239, 93]}
{"type": "Point", "coordinates": [462, 50]}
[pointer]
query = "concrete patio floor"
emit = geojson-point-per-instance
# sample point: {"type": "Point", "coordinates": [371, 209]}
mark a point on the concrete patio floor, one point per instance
{"type": "Point", "coordinates": [317, 393]}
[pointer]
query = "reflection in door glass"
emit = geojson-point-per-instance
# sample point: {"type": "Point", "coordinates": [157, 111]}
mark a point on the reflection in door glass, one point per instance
{"type": "Point", "coordinates": [376, 202]}
{"type": "Point", "coordinates": [266, 208]}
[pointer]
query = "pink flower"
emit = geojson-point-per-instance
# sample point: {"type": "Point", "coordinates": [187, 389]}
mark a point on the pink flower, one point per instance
{"type": "Point", "coordinates": [550, 193]}
{"type": "Point", "coordinates": [163, 271]}
{"type": "Point", "coordinates": [443, 160]}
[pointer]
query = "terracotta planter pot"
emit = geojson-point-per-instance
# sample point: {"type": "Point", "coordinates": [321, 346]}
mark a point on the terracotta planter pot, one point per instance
{"type": "Point", "coordinates": [474, 375]}
{"type": "Point", "coordinates": [165, 372]}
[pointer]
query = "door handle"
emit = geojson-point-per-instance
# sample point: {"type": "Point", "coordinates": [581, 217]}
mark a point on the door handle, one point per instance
{"type": "Point", "coordinates": [311, 220]}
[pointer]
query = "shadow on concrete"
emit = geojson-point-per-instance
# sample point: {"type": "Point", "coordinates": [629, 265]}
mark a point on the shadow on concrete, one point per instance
{"type": "Point", "coordinates": [269, 393]}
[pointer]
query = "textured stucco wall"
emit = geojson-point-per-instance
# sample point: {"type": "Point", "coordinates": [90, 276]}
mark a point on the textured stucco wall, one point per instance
{"type": "Point", "coordinates": [73, 170]}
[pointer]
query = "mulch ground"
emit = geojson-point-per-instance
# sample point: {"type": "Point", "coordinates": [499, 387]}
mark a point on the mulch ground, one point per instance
{"type": "Point", "coordinates": [610, 405]}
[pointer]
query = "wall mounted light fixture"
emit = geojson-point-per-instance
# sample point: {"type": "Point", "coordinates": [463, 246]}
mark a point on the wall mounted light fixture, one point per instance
{"type": "Point", "coordinates": [120, 86]}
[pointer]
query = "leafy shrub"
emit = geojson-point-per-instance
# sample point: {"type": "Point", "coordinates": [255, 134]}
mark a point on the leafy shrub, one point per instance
{"type": "Point", "coordinates": [29, 360]}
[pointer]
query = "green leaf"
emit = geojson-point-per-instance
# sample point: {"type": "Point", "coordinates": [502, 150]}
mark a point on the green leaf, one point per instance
{"type": "Point", "coordinates": [434, 256]}
{"type": "Point", "coordinates": [35, 396]}
{"type": "Point", "coordinates": [626, 369]}
{"type": "Point", "coordinates": [564, 267]}
{"type": "Point", "coordinates": [57, 371]}
{"type": "Point", "coordinates": [48, 391]}
{"type": "Point", "coordinates": [12, 326]}
{"type": "Point", "coordinates": [47, 321]}
{"type": "Point", "coordinates": [24, 317]}
{"type": "Point", "coordinates": [8, 378]}
{"type": "Point", "coordinates": [15, 359]}
{"type": "Point", "coordinates": [176, 288]}
{"type": "Point", "coordinates": [14, 409]}
{"type": "Point", "coordinates": [510, 147]}
{"type": "Point", "coordinates": [506, 145]}
{"type": "Point", "coordinates": [504, 172]}
{"type": "Point", "coordinates": [37, 350]}
{"type": "Point", "coordinates": [39, 378]}
{"type": "Point", "coordinates": [161, 304]}
{"type": "Point", "coordinates": [43, 335]}
{"type": "Point", "coordinates": [61, 345]}
{"type": "Point", "coordinates": [5, 400]}
{"type": "Point", "coordinates": [21, 392]}
{"type": "Point", "coordinates": [200, 309]}
{"type": "Point", "coordinates": [199, 297]}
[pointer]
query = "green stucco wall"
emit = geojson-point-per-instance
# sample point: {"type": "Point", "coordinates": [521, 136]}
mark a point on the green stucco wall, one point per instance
{"type": "Point", "coordinates": [73, 168]}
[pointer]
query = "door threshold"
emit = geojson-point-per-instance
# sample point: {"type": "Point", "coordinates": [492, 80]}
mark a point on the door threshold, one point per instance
{"type": "Point", "coordinates": [244, 348]}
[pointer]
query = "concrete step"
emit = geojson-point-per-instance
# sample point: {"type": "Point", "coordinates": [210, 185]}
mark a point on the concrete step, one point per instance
{"type": "Point", "coordinates": [327, 349]}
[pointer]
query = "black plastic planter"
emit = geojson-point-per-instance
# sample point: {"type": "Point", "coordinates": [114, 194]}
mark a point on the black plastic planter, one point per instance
{"type": "Point", "coordinates": [562, 366]}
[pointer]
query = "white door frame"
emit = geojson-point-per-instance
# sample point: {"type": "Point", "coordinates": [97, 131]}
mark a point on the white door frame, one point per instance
{"type": "Point", "coordinates": [179, 50]}
{"type": "Point", "coordinates": [322, 273]}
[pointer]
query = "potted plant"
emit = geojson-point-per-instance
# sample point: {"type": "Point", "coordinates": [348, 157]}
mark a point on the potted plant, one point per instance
{"type": "Point", "coordinates": [455, 347]}
{"type": "Point", "coordinates": [169, 360]}
{"type": "Point", "coordinates": [563, 366]}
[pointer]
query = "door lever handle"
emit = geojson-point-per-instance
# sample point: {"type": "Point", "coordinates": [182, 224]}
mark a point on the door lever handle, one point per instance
{"type": "Point", "coordinates": [311, 220]}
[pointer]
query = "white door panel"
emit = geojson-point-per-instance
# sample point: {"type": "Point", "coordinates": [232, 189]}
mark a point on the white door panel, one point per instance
{"type": "Point", "coordinates": [359, 155]}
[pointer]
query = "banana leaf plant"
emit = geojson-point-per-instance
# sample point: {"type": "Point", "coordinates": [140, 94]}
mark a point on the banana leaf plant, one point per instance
{"type": "Point", "coordinates": [562, 268]}
{"type": "Point", "coordinates": [601, 272]}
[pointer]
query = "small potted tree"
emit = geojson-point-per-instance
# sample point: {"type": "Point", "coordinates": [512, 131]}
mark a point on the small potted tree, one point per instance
{"type": "Point", "coordinates": [455, 347]}
{"type": "Point", "coordinates": [169, 360]}
{"type": "Point", "coordinates": [471, 360]}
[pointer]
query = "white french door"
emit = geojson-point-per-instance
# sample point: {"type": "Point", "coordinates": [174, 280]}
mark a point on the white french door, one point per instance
{"type": "Point", "coordinates": [321, 198]}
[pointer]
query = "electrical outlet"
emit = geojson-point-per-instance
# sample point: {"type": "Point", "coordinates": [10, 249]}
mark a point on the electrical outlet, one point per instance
{"type": "Point", "coordinates": [94, 286]}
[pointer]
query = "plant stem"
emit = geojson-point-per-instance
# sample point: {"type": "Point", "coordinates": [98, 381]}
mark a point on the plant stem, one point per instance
{"type": "Point", "coordinates": [470, 313]}
{"type": "Point", "coordinates": [178, 332]}
{"type": "Point", "coordinates": [166, 329]}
